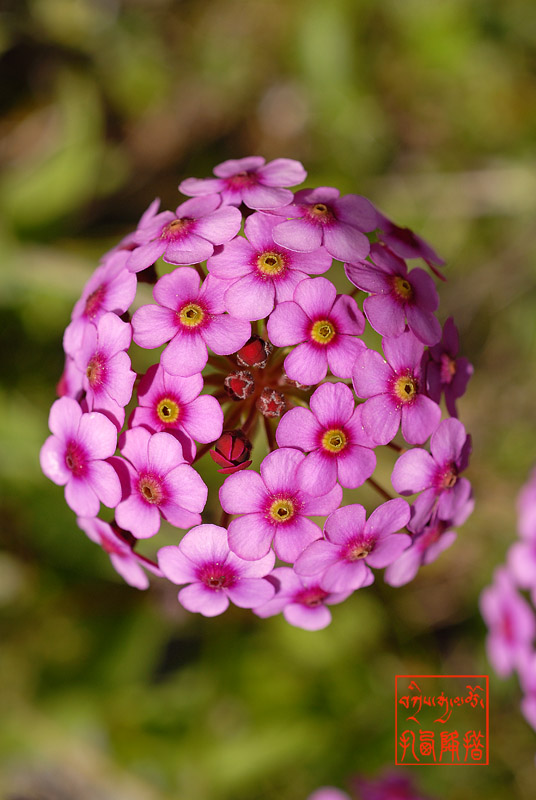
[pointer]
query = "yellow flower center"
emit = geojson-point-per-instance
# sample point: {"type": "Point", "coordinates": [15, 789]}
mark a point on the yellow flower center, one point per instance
{"type": "Point", "coordinates": [403, 288]}
{"type": "Point", "coordinates": [281, 510]}
{"type": "Point", "coordinates": [406, 388]}
{"type": "Point", "coordinates": [167, 410]}
{"type": "Point", "coordinates": [175, 227]}
{"type": "Point", "coordinates": [270, 263]}
{"type": "Point", "coordinates": [191, 315]}
{"type": "Point", "coordinates": [334, 440]}
{"type": "Point", "coordinates": [95, 371]}
{"type": "Point", "coordinates": [323, 331]}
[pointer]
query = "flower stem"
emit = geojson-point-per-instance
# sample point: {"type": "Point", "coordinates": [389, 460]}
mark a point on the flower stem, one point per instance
{"type": "Point", "coordinates": [200, 453]}
{"type": "Point", "coordinates": [272, 444]}
{"type": "Point", "coordinates": [379, 489]}
{"type": "Point", "coordinates": [224, 519]}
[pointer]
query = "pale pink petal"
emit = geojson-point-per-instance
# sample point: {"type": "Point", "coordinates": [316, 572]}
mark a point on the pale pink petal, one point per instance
{"type": "Point", "coordinates": [153, 325]}
{"type": "Point", "coordinates": [140, 518]}
{"type": "Point", "coordinates": [380, 418]}
{"type": "Point", "coordinates": [220, 226]}
{"type": "Point", "coordinates": [344, 523]}
{"type": "Point", "coordinates": [250, 592]}
{"type": "Point", "coordinates": [316, 297]}
{"type": "Point", "coordinates": [52, 460]}
{"type": "Point", "coordinates": [345, 243]}
{"type": "Point", "coordinates": [388, 518]}
{"type": "Point", "coordinates": [103, 479]}
{"type": "Point", "coordinates": [199, 599]}
{"type": "Point", "coordinates": [64, 418]}
{"type": "Point", "coordinates": [177, 288]}
{"type": "Point", "coordinates": [355, 465]}
{"type": "Point", "coordinates": [307, 364]}
{"type": "Point", "coordinates": [187, 487]}
{"type": "Point", "coordinates": [233, 260]}
{"type": "Point", "coordinates": [288, 324]}
{"type": "Point", "coordinates": [299, 235]}
{"type": "Point", "coordinates": [189, 250]}
{"type": "Point", "coordinates": [206, 543]}
{"type": "Point", "coordinates": [97, 434]}
{"type": "Point", "coordinates": [185, 355]}
{"type": "Point", "coordinates": [316, 558]}
{"type": "Point", "coordinates": [130, 571]}
{"type": "Point", "coordinates": [175, 565]}
{"type": "Point", "coordinates": [81, 498]}
{"type": "Point", "coordinates": [420, 419]}
{"type": "Point", "coordinates": [413, 471]}
{"type": "Point", "coordinates": [225, 334]}
{"type": "Point", "coordinates": [344, 576]}
{"type": "Point", "coordinates": [259, 197]}
{"type": "Point", "coordinates": [250, 297]}
{"type": "Point", "coordinates": [299, 428]}
{"type": "Point", "coordinates": [244, 492]}
{"type": "Point", "coordinates": [318, 473]}
{"type": "Point", "coordinates": [310, 619]}
{"type": "Point", "coordinates": [279, 468]}
{"type": "Point", "coordinates": [250, 536]}
{"type": "Point", "coordinates": [203, 419]}
{"type": "Point", "coordinates": [447, 441]}
{"type": "Point", "coordinates": [292, 538]}
{"type": "Point", "coordinates": [282, 172]}
{"type": "Point", "coordinates": [332, 404]}
{"type": "Point", "coordinates": [342, 354]}
{"type": "Point", "coordinates": [235, 165]}
{"type": "Point", "coordinates": [371, 374]}
{"type": "Point", "coordinates": [164, 453]}
{"type": "Point", "coordinates": [199, 186]}
{"type": "Point", "coordinates": [324, 504]}
{"type": "Point", "coordinates": [146, 255]}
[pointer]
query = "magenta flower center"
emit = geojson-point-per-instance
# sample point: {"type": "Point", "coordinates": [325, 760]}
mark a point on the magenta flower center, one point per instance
{"type": "Point", "coordinates": [191, 315]}
{"type": "Point", "coordinates": [176, 228]}
{"type": "Point", "coordinates": [271, 264]}
{"type": "Point", "coordinates": [447, 368]}
{"type": "Point", "coordinates": [216, 576]}
{"type": "Point", "coordinates": [447, 477]}
{"type": "Point", "coordinates": [96, 370]}
{"type": "Point", "coordinates": [151, 489]}
{"type": "Point", "coordinates": [334, 440]}
{"type": "Point", "coordinates": [75, 458]}
{"type": "Point", "coordinates": [323, 332]}
{"type": "Point", "coordinates": [402, 288]}
{"type": "Point", "coordinates": [312, 597]}
{"type": "Point", "coordinates": [405, 388]}
{"type": "Point", "coordinates": [282, 510]}
{"type": "Point", "coordinates": [359, 547]}
{"type": "Point", "coordinates": [167, 411]}
{"type": "Point", "coordinates": [95, 301]}
{"type": "Point", "coordinates": [241, 180]}
{"type": "Point", "coordinates": [319, 213]}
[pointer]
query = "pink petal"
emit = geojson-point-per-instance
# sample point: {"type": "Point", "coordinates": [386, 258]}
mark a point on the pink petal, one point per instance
{"type": "Point", "coordinates": [403, 352]}
{"type": "Point", "coordinates": [420, 419]}
{"type": "Point", "coordinates": [317, 474]}
{"type": "Point", "coordinates": [347, 316]}
{"type": "Point", "coordinates": [355, 466]}
{"type": "Point", "coordinates": [140, 518]}
{"type": "Point", "coordinates": [250, 536]}
{"type": "Point", "coordinates": [282, 172]}
{"type": "Point", "coordinates": [233, 260]}
{"type": "Point", "coordinates": [371, 374]}
{"type": "Point", "coordinates": [130, 571]}
{"type": "Point", "coordinates": [250, 297]}
{"type": "Point", "coordinates": [344, 576]}
{"type": "Point", "coordinates": [103, 479]}
{"type": "Point", "coordinates": [316, 297]}
{"type": "Point", "coordinates": [220, 226]}
{"type": "Point", "coordinates": [145, 255]}
{"type": "Point", "coordinates": [64, 418]}
{"type": "Point", "coordinates": [164, 453]}
{"type": "Point", "coordinates": [388, 518]}
{"type": "Point", "coordinates": [447, 441]}
{"type": "Point", "coordinates": [278, 470]}
{"type": "Point", "coordinates": [288, 324]}
{"type": "Point", "coordinates": [225, 334]}
{"type": "Point", "coordinates": [307, 364]}
{"type": "Point", "coordinates": [187, 488]}
{"type": "Point", "coordinates": [413, 471]}
{"type": "Point", "coordinates": [332, 404]}
{"type": "Point", "coordinates": [52, 460]}
{"type": "Point", "coordinates": [424, 325]}
{"type": "Point", "coordinates": [345, 243]}
{"type": "Point", "coordinates": [344, 523]}
{"type": "Point", "coordinates": [324, 504]}
{"type": "Point", "coordinates": [198, 207]}
{"type": "Point", "coordinates": [244, 492]}
{"type": "Point", "coordinates": [81, 498]}
{"type": "Point", "coordinates": [189, 250]}
{"type": "Point", "coordinates": [185, 355]}
{"type": "Point", "coordinates": [385, 315]}
{"type": "Point", "coordinates": [235, 165]}
{"type": "Point", "coordinates": [97, 434]}
{"type": "Point", "coordinates": [259, 197]}
{"type": "Point", "coordinates": [380, 418]}
{"type": "Point", "coordinates": [258, 229]}
{"type": "Point", "coordinates": [250, 592]}
{"type": "Point", "coordinates": [298, 428]}
{"type": "Point", "coordinates": [175, 565]}
{"type": "Point", "coordinates": [199, 599]}
{"type": "Point", "coordinates": [199, 186]}
{"type": "Point", "coordinates": [153, 325]}
{"type": "Point", "coordinates": [316, 558]}
{"type": "Point", "coordinates": [292, 538]}
{"type": "Point", "coordinates": [177, 288]}
{"type": "Point", "coordinates": [298, 234]}
{"type": "Point", "coordinates": [342, 354]}
{"type": "Point", "coordinates": [356, 210]}
{"type": "Point", "coordinates": [203, 419]}
{"type": "Point", "coordinates": [206, 543]}
{"type": "Point", "coordinates": [310, 619]}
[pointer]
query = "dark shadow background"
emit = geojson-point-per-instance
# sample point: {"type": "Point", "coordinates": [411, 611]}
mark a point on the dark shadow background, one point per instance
{"type": "Point", "coordinates": [429, 109]}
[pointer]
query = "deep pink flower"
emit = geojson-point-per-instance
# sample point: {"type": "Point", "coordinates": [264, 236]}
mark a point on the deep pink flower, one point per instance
{"type": "Point", "coordinates": [191, 318]}
{"type": "Point", "coordinates": [436, 474]}
{"type": "Point", "coordinates": [510, 620]}
{"type": "Point", "coordinates": [324, 325]}
{"type": "Point", "coordinates": [171, 403]}
{"type": "Point", "coordinates": [260, 272]}
{"type": "Point", "coordinates": [111, 288]}
{"type": "Point", "coordinates": [341, 562]}
{"type": "Point", "coordinates": [321, 216]}
{"type": "Point", "coordinates": [159, 483]}
{"type": "Point", "coordinates": [302, 600]}
{"type": "Point", "coordinates": [333, 435]}
{"type": "Point", "coordinates": [215, 575]}
{"type": "Point", "coordinates": [250, 181]}
{"type": "Point", "coordinates": [124, 560]}
{"type": "Point", "coordinates": [396, 295]}
{"type": "Point", "coordinates": [425, 548]}
{"type": "Point", "coordinates": [390, 786]}
{"type": "Point", "coordinates": [406, 244]}
{"type": "Point", "coordinates": [395, 389]}
{"type": "Point", "coordinates": [105, 366]}
{"type": "Point", "coordinates": [74, 457]}
{"type": "Point", "coordinates": [274, 506]}
{"type": "Point", "coordinates": [186, 237]}
{"type": "Point", "coordinates": [445, 372]}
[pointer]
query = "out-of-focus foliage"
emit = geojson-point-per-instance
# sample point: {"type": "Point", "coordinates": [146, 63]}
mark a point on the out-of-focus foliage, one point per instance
{"type": "Point", "coordinates": [428, 108]}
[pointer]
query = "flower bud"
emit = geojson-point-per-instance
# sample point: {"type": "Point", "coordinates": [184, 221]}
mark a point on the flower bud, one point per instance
{"type": "Point", "coordinates": [271, 403]}
{"type": "Point", "coordinates": [255, 352]}
{"type": "Point", "coordinates": [231, 452]}
{"type": "Point", "coordinates": [239, 384]}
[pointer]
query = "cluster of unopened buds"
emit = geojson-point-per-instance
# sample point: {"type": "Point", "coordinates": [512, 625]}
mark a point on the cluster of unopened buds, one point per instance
{"type": "Point", "coordinates": [260, 355]}
{"type": "Point", "coordinates": [508, 606]}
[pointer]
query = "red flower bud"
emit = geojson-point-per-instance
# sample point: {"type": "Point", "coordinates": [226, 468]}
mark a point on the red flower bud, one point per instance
{"type": "Point", "coordinates": [255, 352]}
{"type": "Point", "coordinates": [239, 385]}
{"type": "Point", "coordinates": [271, 403]}
{"type": "Point", "coordinates": [231, 452]}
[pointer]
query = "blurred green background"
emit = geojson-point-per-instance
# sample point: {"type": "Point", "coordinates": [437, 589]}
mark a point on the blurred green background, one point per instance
{"type": "Point", "coordinates": [429, 109]}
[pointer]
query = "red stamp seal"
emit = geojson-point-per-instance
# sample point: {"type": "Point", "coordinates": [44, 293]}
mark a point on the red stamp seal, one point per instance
{"type": "Point", "coordinates": [442, 720]}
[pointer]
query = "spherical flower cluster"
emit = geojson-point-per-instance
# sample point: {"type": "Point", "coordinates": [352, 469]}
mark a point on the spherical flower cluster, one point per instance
{"type": "Point", "coordinates": [251, 353]}
{"type": "Point", "coordinates": [508, 606]}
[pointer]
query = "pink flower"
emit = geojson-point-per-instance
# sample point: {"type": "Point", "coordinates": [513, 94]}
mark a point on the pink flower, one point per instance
{"type": "Point", "coordinates": [74, 457]}
{"type": "Point", "coordinates": [105, 366]}
{"type": "Point", "coordinates": [445, 373]}
{"type": "Point", "coordinates": [186, 237]}
{"type": "Point", "coordinates": [332, 433]}
{"type": "Point", "coordinates": [111, 288]}
{"type": "Point", "coordinates": [191, 318]}
{"type": "Point", "coordinates": [321, 216]}
{"type": "Point", "coordinates": [328, 793]}
{"type": "Point", "coordinates": [250, 181]}
{"type": "Point", "coordinates": [274, 506]}
{"type": "Point", "coordinates": [171, 403]}
{"type": "Point", "coordinates": [324, 325]}
{"type": "Point", "coordinates": [302, 601]}
{"type": "Point", "coordinates": [436, 474]}
{"type": "Point", "coordinates": [260, 272]}
{"type": "Point", "coordinates": [396, 391]}
{"type": "Point", "coordinates": [124, 560]}
{"type": "Point", "coordinates": [214, 574]}
{"type": "Point", "coordinates": [406, 244]}
{"type": "Point", "coordinates": [396, 294]}
{"type": "Point", "coordinates": [510, 620]}
{"type": "Point", "coordinates": [341, 562]}
{"type": "Point", "coordinates": [159, 483]}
